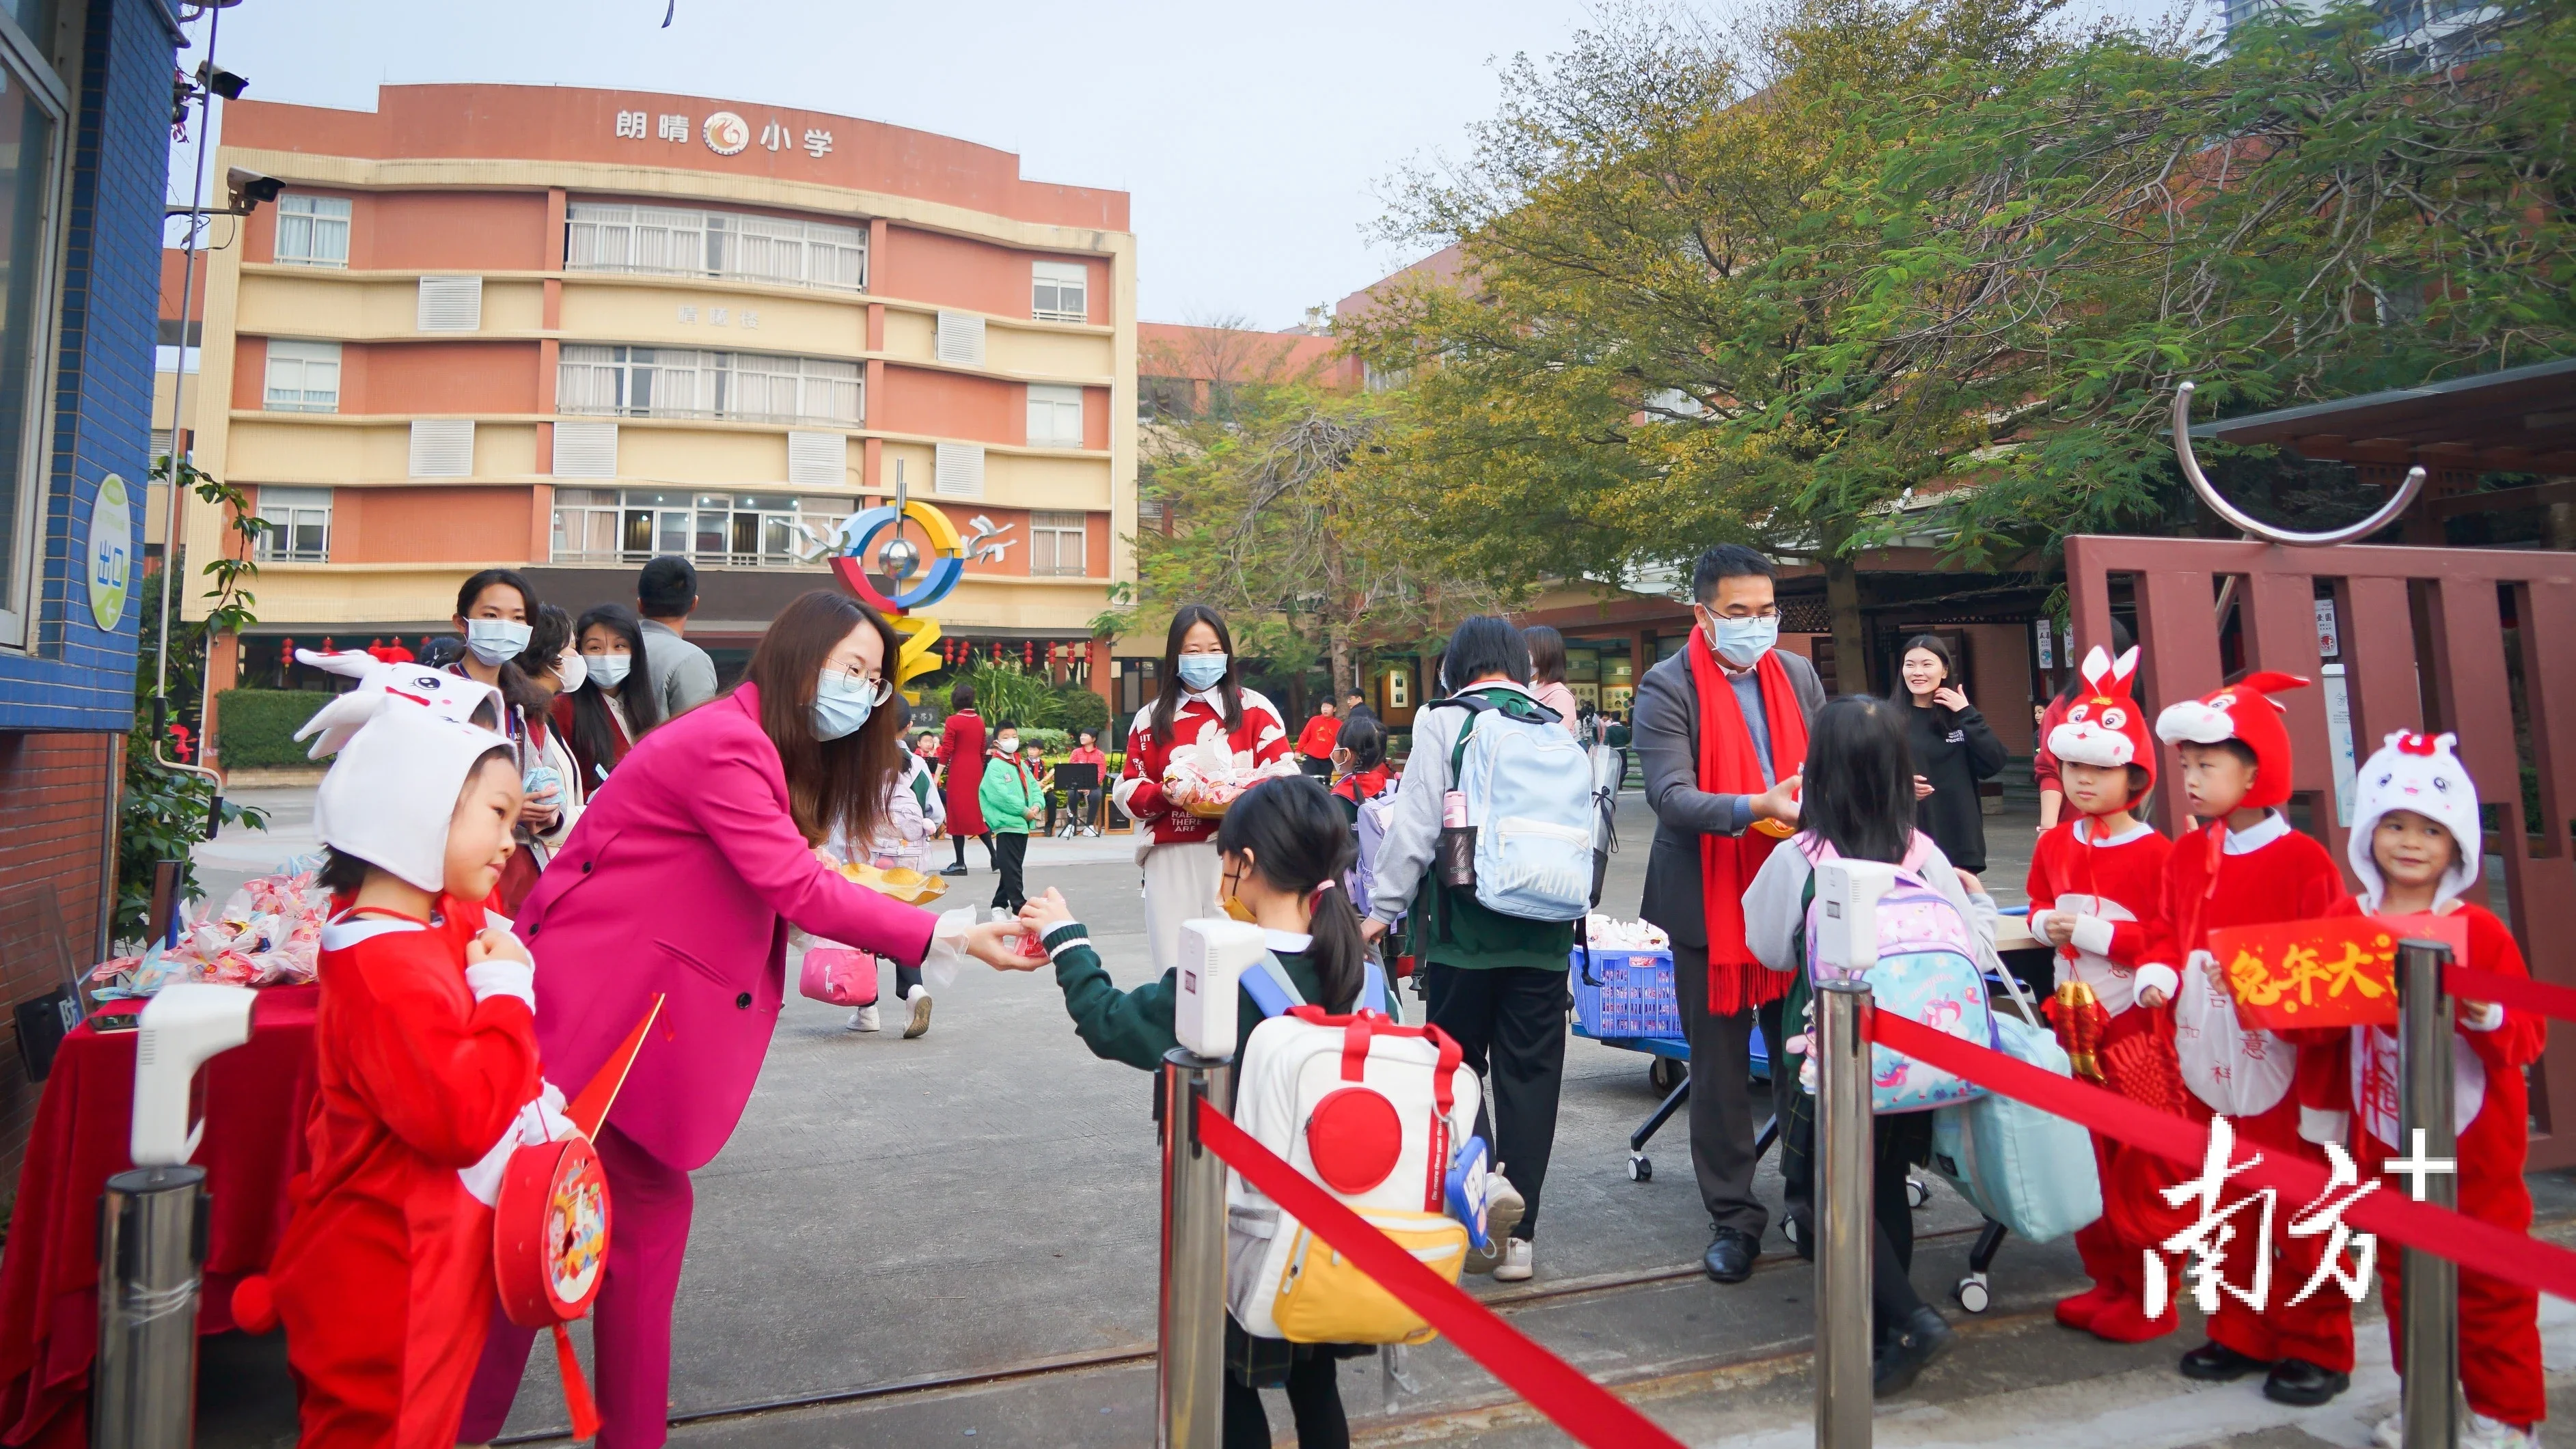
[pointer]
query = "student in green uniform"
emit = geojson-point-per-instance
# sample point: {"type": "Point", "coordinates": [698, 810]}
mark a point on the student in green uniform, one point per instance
{"type": "Point", "coordinates": [1281, 851]}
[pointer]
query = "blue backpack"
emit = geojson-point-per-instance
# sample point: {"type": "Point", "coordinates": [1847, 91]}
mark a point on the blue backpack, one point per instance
{"type": "Point", "coordinates": [1926, 972]}
{"type": "Point", "coordinates": [1528, 785]}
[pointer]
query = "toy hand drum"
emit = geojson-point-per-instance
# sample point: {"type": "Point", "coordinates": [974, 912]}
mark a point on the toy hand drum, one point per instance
{"type": "Point", "coordinates": [550, 1232]}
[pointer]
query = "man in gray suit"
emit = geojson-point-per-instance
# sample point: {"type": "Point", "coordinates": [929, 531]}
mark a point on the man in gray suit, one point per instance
{"type": "Point", "coordinates": [1739, 621]}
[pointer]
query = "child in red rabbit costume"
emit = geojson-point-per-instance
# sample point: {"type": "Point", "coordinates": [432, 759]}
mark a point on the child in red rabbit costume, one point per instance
{"type": "Point", "coordinates": [2247, 867]}
{"type": "Point", "coordinates": [2414, 846]}
{"type": "Point", "coordinates": [2094, 883]}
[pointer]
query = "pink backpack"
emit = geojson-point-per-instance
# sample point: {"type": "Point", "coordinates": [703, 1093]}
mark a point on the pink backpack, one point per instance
{"type": "Point", "coordinates": [838, 975]}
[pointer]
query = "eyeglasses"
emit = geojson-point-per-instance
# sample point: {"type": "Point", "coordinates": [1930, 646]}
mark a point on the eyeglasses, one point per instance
{"type": "Point", "coordinates": [880, 687]}
{"type": "Point", "coordinates": [1768, 611]}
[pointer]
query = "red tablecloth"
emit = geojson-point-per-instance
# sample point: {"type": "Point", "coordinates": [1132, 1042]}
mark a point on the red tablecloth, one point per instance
{"type": "Point", "coordinates": [256, 1099]}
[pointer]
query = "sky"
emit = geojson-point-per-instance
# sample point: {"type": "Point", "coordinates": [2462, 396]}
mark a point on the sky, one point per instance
{"type": "Point", "coordinates": [1256, 141]}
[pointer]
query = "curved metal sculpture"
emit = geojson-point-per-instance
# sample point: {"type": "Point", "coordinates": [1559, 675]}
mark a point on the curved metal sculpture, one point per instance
{"type": "Point", "coordinates": [898, 559]}
{"type": "Point", "coordinates": [2256, 528]}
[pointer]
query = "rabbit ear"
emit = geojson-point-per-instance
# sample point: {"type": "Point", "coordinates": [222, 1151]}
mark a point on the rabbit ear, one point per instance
{"type": "Point", "coordinates": [353, 663]}
{"type": "Point", "coordinates": [2126, 669]}
{"type": "Point", "coordinates": [2097, 668]}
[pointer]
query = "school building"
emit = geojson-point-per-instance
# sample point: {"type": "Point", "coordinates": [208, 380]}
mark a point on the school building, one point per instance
{"type": "Point", "coordinates": [567, 330]}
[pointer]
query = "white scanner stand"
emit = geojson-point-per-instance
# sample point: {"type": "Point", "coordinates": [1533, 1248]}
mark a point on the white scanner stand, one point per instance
{"type": "Point", "coordinates": [152, 1239]}
{"type": "Point", "coordinates": [1847, 896]}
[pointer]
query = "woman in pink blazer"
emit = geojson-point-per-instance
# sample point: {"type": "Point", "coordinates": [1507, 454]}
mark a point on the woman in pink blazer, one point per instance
{"type": "Point", "coordinates": [682, 879]}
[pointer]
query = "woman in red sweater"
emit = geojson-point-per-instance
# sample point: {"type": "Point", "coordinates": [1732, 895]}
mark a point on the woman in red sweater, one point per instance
{"type": "Point", "coordinates": [1202, 703]}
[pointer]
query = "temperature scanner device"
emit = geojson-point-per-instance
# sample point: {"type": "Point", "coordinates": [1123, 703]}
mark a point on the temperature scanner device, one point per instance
{"type": "Point", "coordinates": [1847, 896]}
{"type": "Point", "coordinates": [1215, 952]}
{"type": "Point", "coordinates": [184, 1024]}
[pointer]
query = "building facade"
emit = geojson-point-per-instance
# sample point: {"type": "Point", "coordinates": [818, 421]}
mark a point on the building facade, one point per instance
{"type": "Point", "coordinates": [84, 140]}
{"type": "Point", "coordinates": [568, 330]}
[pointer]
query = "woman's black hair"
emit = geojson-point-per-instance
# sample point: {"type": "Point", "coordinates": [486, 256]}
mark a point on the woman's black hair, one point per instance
{"type": "Point", "coordinates": [1547, 654]}
{"type": "Point", "coordinates": [961, 695]}
{"type": "Point", "coordinates": [1858, 794]}
{"type": "Point", "coordinates": [1229, 690]}
{"type": "Point", "coordinates": [1298, 839]}
{"type": "Point", "coordinates": [594, 733]}
{"type": "Point", "coordinates": [1485, 644]}
{"type": "Point", "coordinates": [519, 691]}
{"type": "Point", "coordinates": [1933, 645]}
{"type": "Point", "coordinates": [341, 873]}
{"type": "Point", "coordinates": [1365, 738]}
{"type": "Point", "coordinates": [549, 635]}
{"type": "Point", "coordinates": [2074, 685]}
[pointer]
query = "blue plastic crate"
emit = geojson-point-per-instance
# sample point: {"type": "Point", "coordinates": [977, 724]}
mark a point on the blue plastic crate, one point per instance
{"type": "Point", "coordinates": [1630, 994]}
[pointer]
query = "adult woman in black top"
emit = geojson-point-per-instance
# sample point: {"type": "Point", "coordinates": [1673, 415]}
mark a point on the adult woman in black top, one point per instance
{"type": "Point", "coordinates": [1953, 748]}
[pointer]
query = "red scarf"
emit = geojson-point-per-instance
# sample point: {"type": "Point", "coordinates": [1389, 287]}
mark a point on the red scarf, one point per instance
{"type": "Point", "coordinates": [1728, 863]}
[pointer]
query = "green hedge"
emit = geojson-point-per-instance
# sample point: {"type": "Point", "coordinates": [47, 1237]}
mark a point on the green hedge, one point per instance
{"type": "Point", "coordinates": [255, 728]}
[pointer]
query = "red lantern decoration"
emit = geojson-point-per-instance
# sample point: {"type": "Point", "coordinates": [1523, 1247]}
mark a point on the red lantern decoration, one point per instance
{"type": "Point", "coordinates": [1029, 654]}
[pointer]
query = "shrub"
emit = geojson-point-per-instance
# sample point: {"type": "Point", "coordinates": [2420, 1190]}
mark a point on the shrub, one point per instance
{"type": "Point", "coordinates": [255, 728]}
{"type": "Point", "coordinates": [1077, 708]}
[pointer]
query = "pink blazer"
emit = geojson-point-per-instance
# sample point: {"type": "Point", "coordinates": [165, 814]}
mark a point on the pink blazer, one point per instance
{"type": "Point", "coordinates": [682, 877]}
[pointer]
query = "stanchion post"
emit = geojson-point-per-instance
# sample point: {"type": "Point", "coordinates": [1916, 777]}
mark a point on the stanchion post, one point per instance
{"type": "Point", "coordinates": [1844, 1162]}
{"type": "Point", "coordinates": [1190, 1380]}
{"type": "Point", "coordinates": [151, 1249]}
{"type": "Point", "coordinates": [2429, 1285]}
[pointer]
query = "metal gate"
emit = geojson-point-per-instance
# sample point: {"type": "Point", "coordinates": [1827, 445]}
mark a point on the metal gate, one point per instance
{"type": "Point", "coordinates": [2425, 645]}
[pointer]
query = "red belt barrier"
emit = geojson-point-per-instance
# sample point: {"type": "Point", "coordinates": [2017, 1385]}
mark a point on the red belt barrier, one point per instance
{"type": "Point", "coordinates": [1590, 1413]}
{"type": "Point", "coordinates": [2537, 997]}
{"type": "Point", "coordinates": [2390, 1213]}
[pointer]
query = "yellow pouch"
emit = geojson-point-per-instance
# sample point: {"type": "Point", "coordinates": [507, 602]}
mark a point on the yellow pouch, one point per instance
{"type": "Point", "coordinates": [1326, 1298]}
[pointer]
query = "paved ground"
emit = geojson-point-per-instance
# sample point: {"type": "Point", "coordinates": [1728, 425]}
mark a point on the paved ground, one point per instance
{"type": "Point", "coordinates": [953, 1238]}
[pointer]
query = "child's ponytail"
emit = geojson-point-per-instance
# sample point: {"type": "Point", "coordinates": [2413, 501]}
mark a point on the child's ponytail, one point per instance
{"type": "Point", "coordinates": [1301, 842]}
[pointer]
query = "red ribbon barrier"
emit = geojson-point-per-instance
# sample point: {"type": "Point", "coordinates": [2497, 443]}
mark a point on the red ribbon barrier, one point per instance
{"type": "Point", "coordinates": [2484, 1247]}
{"type": "Point", "coordinates": [1590, 1413]}
{"type": "Point", "coordinates": [2537, 997]}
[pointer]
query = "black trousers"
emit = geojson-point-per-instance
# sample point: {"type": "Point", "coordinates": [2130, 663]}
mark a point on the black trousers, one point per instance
{"type": "Point", "coordinates": [1314, 1396]}
{"type": "Point", "coordinates": [1724, 1117]}
{"type": "Point", "coordinates": [1010, 853]}
{"type": "Point", "coordinates": [1509, 1021]}
{"type": "Point", "coordinates": [992, 857]}
{"type": "Point", "coordinates": [1897, 1143]}
{"type": "Point", "coordinates": [1321, 769]}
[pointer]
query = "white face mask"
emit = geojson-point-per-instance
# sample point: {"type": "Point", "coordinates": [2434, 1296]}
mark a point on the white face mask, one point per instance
{"type": "Point", "coordinates": [570, 671]}
{"type": "Point", "coordinates": [496, 641]}
{"type": "Point", "coordinates": [1009, 746]}
{"type": "Point", "coordinates": [609, 669]}
{"type": "Point", "coordinates": [1743, 642]}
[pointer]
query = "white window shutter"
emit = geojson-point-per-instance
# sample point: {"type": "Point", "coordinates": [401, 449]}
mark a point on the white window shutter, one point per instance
{"type": "Point", "coordinates": [957, 470]}
{"type": "Point", "coordinates": [451, 304]}
{"type": "Point", "coordinates": [817, 460]}
{"type": "Point", "coordinates": [961, 338]}
{"type": "Point", "coordinates": [442, 448]}
{"type": "Point", "coordinates": [585, 450]}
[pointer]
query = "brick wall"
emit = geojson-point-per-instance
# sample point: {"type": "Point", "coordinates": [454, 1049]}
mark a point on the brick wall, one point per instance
{"type": "Point", "coordinates": [53, 794]}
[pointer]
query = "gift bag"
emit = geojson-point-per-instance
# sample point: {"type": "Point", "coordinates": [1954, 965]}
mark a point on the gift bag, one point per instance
{"type": "Point", "coordinates": [2238, 1072]}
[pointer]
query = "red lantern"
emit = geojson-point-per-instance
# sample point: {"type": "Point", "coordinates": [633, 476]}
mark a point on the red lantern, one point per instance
{"type": "Point", "coordinates": [1029, 654]}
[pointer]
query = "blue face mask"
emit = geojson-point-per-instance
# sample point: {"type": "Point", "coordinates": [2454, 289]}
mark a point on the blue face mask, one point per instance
{"type": "Point", "coordinates": [496, 641]}
{"type": "Point", "coordinates": [1743, 642]}
{"type": "Point", "coordinates": [1201, 671]}
{"type": "Point", "coordinates": [842, 704]}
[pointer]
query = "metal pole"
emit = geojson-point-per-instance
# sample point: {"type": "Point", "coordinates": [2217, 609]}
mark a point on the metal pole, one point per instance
{"type": "Point", "coordinates": [1844, 1164]}
{"type": "Point", "coordinates": [152, 1243]}
{"type": "Point", "coordinates": [1190, 1377]}
{"type": "Point", "coordinates": [2429, 1285]}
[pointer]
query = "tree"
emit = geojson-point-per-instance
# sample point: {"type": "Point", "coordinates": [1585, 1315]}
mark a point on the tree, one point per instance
{"type": "Point", "coordinates": [1880, 270]}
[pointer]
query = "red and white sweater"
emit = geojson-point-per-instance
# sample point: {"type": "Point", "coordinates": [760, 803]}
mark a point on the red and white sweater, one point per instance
{"type": "Point", "coordinates": [1139, 791]}
{"type": "Point", "coordinates": [2112, 888]}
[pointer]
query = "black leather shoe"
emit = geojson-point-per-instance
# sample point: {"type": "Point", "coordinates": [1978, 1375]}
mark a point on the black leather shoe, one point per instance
{"type": "Point", "coordinates": [1898, 1360]}
{"type": "Point", "coordinates": [2218, 1364]}
{"type": "Point", "coordinates": [2297, 1381]}
{"type": "Point", "coordinates": [958, 869]}
{"type": "Point", "coordinates": [1730, 1256]}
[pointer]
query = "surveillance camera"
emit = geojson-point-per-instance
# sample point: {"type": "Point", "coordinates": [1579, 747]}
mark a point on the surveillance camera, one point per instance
{"type": "Point", "coordinates": [250, 188]}
{"type": "Point", "coordinates": [222, 82]}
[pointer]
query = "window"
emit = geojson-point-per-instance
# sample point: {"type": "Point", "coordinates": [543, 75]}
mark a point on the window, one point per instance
{"type": "Point", "coordinates": [1062, 292]}
{"type": "Point", "coordinates": [1056, 543]}
{"type": "Point", "coordinates": [585, 450]}
{"type": "Point", "coordinates": [31, 157]}
{"type": "Point", "coordinates": [957, 470]}
{"type": "Point", "coordinates": [1055, 416]}
{"type": "Point", "coordinates": [741, 530]}
{"type": "Point", "coordinates": [313, 231]}
{"type": "Point", "coordinates": [671, 382]}
{"type": "Point", "coordinates": [451, 304]}
{"type": "Point", "coordinates": [442, 448]}
{"type": "Point", "coordinates": [303, 377]}
{"type": "Point", "coordinates": [961, 338]}
{"type": "Point", "coordinates": [299, 525]}
{"type": "Point", "coordinates": [673, 242]}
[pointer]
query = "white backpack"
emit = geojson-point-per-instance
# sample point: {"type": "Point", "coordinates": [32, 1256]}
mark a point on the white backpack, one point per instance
{"type": "Point", "coordinates": [1530, 796]}
{"type": "Point", "coordinates": [1378, 1114]}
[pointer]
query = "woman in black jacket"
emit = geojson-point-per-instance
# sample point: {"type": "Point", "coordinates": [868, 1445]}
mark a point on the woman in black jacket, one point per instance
{"type": "Point", "coordinates": [1954, 749]}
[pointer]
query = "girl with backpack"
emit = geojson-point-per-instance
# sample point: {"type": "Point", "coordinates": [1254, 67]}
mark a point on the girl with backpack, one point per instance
{"type": "Point", "coordinates": [1859, 804]}
{"type": "Point", "coordinates": [1281, 852]}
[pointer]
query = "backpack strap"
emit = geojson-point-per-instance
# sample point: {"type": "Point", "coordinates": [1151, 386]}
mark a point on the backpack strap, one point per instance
{"type": "Point", "coordinates": [1271, 987]}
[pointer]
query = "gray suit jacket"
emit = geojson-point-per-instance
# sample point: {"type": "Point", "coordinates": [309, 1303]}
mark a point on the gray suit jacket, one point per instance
{"type": "Point", "coordinates": [1667, 743]}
